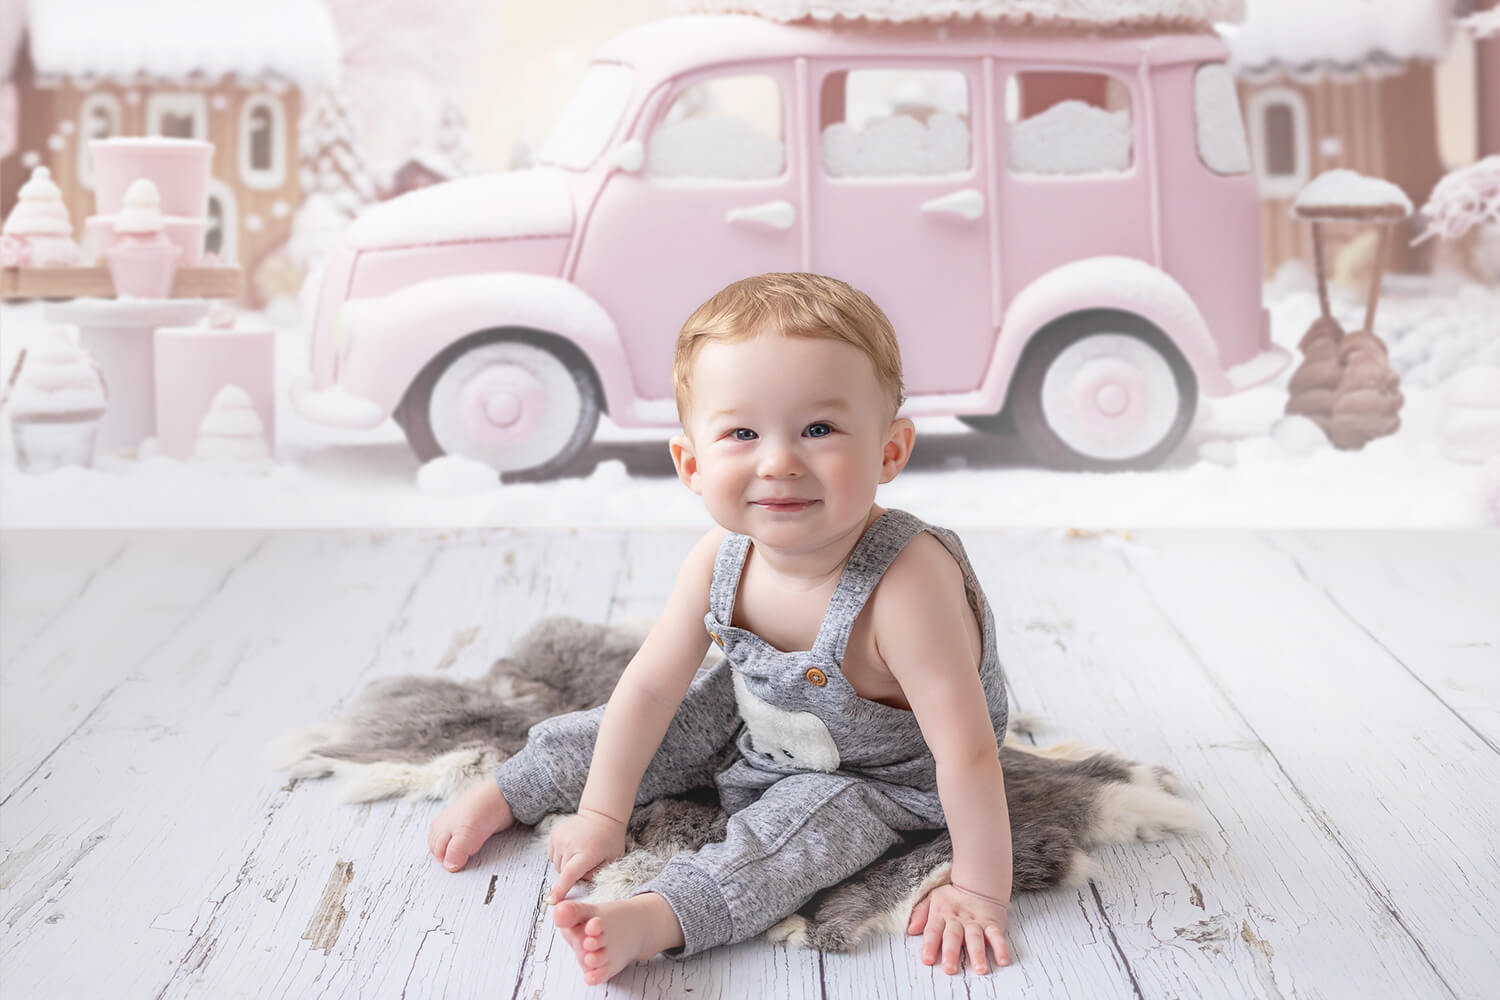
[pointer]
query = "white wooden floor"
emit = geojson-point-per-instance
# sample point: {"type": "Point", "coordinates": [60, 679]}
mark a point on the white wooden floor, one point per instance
{"type": "Point", "coordinates": [1333, 699]}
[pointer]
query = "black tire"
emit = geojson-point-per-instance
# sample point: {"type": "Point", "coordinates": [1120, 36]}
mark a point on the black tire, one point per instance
{"type": "Point", "coordinates": [1025, 401]}
{"type": "Point", "coordinates": [991, 423]}
{"type": "Point", "coordinates": [412, 414]}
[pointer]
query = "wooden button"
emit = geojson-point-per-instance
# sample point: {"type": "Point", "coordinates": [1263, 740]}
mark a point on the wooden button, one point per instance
{"type": "Point", "coordinates": [816, 677]}
{"type": "Point", "coordinates": [715, 637]}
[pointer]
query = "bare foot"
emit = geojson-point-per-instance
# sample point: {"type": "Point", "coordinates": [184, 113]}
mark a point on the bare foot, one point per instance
{"type": "Point", "coordinates": [467, 822]}
{"type": "Point", "coordinates": [606, 937]}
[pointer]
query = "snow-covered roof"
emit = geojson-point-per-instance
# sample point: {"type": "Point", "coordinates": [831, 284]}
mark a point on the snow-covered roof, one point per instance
{"type": "Point", "coordinates": [1089, 14]}
{"type": "Point", "coordinates": [1310, 37]}
{"type": "Point", "coordinates": [291, 40]}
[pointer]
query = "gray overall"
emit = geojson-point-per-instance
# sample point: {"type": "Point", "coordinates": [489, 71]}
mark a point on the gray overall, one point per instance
{"type": "Point", "coordinates": [817, 780]}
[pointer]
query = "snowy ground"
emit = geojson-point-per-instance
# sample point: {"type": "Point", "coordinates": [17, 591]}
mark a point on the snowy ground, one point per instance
{"type": "Point", "coordinates": [1230, 470]}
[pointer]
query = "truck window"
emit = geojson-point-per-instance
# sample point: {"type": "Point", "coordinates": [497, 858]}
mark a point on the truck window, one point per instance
{"type": "Point", "coordinates": [1068, 123]}
{"type": "Point", "coordinates": [891, 123]}
{"type": "Point", "coordinates": [726, 128]}
{"type": "Point", "coordinates": [1216, 111]}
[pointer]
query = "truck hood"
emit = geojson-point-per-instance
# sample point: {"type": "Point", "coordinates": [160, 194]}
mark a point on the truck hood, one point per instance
{"type": "Point", "coordinates": [512, 204]}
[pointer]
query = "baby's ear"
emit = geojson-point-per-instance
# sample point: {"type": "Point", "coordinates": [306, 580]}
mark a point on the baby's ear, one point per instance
{"type": "Point", "coordinates": [686, 462]}
{"type": "Point", "coordinates": [897, 448]}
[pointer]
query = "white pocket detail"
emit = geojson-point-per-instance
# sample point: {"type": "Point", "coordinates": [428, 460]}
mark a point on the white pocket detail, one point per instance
{"type": "Point", "coordinates": [796, 739]}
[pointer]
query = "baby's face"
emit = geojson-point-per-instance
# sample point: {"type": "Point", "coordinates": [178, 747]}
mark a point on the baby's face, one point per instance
{"type": "Point", "coordinates": [786, 438]}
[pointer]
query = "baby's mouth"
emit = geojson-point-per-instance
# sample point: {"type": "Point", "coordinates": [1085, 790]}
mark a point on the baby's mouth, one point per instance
{"type": "Point", "coordinates": [785, 504]}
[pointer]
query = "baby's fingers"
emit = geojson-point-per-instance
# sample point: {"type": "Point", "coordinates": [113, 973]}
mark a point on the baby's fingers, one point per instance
{"type": "Point", "coordinates": [918, 916]}
{"type": "Point", "coordinates": [574, 868]}
{"type": "Point", "coordinates": [974, 942]}
{"type": "Point", "coordinates": [953, 945]}
{"type": "Point", "coordinates": [1001, 947]}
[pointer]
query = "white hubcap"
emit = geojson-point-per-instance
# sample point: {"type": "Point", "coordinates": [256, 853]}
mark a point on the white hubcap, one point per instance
{"type": "Point", "coordinates": [1110, 396]}
{"type": "Point", "coordinates": [509, 404]}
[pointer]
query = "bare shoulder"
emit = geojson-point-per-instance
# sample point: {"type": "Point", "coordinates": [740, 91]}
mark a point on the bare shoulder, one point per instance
{"type": "Point", "coordinates": [919, 612]}
{"type": "Point", "coordinates": [923, 573]}
{"type": "Point", "coordinates": [696, 574]}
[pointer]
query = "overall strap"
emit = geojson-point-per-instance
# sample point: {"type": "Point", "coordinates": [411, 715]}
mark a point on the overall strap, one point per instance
{"type": "Point", "coordinates": [728, 565]}
{"type": "Point", "coordinates": [873, 554]}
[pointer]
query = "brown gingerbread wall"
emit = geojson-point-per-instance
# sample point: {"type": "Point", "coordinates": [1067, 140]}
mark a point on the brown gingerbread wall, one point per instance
{"type": "Point", "coordinates": [43, 107]}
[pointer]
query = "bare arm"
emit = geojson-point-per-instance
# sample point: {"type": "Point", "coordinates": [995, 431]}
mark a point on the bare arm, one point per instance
{"type": "Point", "coordinates": [922, 621]}
{"type": "Point", "coordinates": [651, 688]}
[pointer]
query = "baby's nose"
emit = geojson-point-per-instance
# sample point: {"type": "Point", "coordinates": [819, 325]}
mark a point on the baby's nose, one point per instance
{"type": "Point", "coordinates": [779, 461]}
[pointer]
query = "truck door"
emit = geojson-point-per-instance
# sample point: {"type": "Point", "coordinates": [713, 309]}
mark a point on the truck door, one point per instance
{"type": "Point", "coordinates": [902, 207]}
{"type": "Point", "coordinates": [717, 199]}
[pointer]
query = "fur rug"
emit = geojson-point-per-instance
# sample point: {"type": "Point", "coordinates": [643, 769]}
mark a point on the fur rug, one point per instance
{"type": "Point", "coordinates": [427, 737]}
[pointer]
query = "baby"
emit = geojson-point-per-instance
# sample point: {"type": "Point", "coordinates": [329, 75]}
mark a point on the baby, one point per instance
{"type": "Point", "coordinates": [859, 694]}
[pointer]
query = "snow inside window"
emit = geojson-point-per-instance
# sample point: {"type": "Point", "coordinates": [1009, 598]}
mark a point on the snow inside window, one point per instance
{"type": "Point", "coordinates": [262, 145]}
{"type": "Point", "coordinates": [1068, 123]}
{"type": "Point", "coordinates": [1221, 134]}
{"type": "Point", "coordinates": [98, 118]}
{"type": "Point", "coordinates": [895, 123]}
{"type": "Point", "coordinates": [590, 118]}
{"type": "Point", "coordinates": [726, 128]}
{"type": "Point", "coordinates": [177, 116]}
{"type": "Point", "coordinates": [1278, 135]}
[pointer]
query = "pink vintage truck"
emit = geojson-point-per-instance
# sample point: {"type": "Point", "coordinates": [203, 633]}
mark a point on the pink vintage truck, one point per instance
{"type": "Point", "coordinates": [1064, 231]}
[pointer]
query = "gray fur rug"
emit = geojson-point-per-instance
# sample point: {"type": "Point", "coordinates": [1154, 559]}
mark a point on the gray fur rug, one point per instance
{"type": "Point", "coordinates": [428, 737]}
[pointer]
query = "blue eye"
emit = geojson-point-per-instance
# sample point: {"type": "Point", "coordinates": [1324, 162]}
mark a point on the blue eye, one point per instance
{"type": "Point", "coordinates": [818, 430]}
{"type": "Point", "coordinates": [744, 434]}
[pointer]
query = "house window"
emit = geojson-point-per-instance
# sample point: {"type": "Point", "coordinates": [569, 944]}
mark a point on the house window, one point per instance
{"type": "Point", "coordinates": [177, 116]}
{"type": "Point", "coordinates": [98, 118]}
{"type": "Point", "coordinates": [262, 142]}
{"type": "Point", "coordinates": [1068, 123]}
{"type": "Point", "coordinates": [1278, 134]}
{"type": "Point", "coordinates": [222, 233]}
{"type": "Point", "coordinates": [726, 128]}
{"type": "Point", "coordinates": [895, 123]}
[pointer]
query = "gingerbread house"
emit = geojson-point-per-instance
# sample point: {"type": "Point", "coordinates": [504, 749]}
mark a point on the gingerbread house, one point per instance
{"type": "Point", "coordinates": [77, 70]}
{"type": "Point", "coordinates": [1350, 84]}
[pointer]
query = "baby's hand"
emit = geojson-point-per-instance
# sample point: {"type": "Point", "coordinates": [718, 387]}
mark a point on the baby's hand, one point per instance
{"type": "Point", "coordinates": [467, 822]}
{"type": "Point", "coordinates": [957, 919]}
{"type": "Point", "coordinates": [581, 844]}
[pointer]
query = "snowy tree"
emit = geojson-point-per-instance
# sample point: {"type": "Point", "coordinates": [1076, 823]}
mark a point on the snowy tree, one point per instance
{"type": "Point", "coordinates": [333, 163]}
{"type": "Point", "coordinates": [455, 142]}
{"type": "Point", "coordinates": [402, 59]}
{"type": "Point", "coordinates": [1464, 209]}
{"type": "Point", "coordinates": [336, 182]}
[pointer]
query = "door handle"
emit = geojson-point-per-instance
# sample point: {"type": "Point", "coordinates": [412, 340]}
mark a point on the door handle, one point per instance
{"type": "Point", "coordinates": [968, 203]}
{"type": "Point", "coordinates": [780, 214]}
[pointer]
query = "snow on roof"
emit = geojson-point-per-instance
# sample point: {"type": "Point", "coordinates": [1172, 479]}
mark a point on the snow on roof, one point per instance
{"type": "Point", "coordinates": [1091, 14]}
{"type": "Point", "coordinates": [293, 40]}
{"type": "Point", "coordinates": [1314, 36]}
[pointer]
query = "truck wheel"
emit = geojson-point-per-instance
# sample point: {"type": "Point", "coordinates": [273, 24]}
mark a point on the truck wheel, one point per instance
{"type": "Point", "coordinates": [1103, 390]}
{"type": "Point", "coordinates": [518, 402]}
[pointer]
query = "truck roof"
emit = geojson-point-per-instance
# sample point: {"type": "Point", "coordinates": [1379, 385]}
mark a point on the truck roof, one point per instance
{"type": "Point", "coordinates": [671, 45]}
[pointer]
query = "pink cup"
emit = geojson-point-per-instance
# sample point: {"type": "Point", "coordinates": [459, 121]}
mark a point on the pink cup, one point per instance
{"type": "Point", "coordinates": [178, 167]}
{"type": "Point", "coordinates": [144, 270]}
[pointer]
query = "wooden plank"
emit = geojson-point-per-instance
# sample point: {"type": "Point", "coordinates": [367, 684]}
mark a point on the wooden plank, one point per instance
{"type": "Point", "coordinates": [150, 812]}
{"type": "Point", "coordinates": [1452, 647]}
{"type": "Point", "coordinates": [409, 921]}
{"type": "Point", "coordinates": [1386, 768]}
{"type": "Point", "coordinates": [204, 282]}
{"type": "Point", "coordinates": [101, 639]}
{"type": "Point", "coordinates": [41, 574]}
{"type": "Point", "coordinates": [1265, 902]}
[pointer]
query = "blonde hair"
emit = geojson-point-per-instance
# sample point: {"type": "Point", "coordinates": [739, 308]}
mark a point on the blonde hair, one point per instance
{"type": "Point", "coordinates": [793, 305]}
